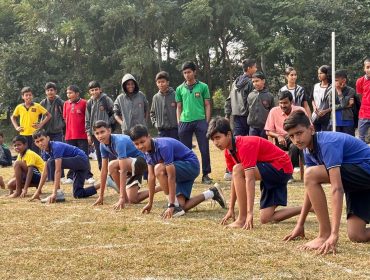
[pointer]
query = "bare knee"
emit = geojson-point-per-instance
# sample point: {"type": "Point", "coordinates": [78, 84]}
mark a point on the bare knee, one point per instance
{"type": "Point", "coordinates": [357, 237]}
{"type": "Point", "coordinates": [159, 169]}
{"type": "Point", "coordinates": [238, 169]}
{"type": "Point", "coordinates": [112, 167]}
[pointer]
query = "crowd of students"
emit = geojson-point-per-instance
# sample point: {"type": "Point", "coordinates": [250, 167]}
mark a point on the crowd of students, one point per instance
{"type": "Point", "coordinates": [254, 150]}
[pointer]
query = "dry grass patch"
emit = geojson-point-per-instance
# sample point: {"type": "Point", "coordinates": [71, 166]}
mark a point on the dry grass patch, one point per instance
{"type": "Point", "coordinates": [73, 240]}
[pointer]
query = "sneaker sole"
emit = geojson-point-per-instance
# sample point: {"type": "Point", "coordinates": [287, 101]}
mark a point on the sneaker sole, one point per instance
{"type": "Point", "coordinates": [220, 192]}
{"type": "Point", "coordinates": [179, 214]}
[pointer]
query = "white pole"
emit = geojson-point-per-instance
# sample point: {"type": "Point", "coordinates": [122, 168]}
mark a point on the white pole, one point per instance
{"type": "Point", "coordinates": [334, 121]}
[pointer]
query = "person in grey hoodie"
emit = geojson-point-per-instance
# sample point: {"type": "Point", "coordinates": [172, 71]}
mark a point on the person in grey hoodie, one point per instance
{"type": "Point", "coordinates": [236, 103]}
{"type": "Point", "coordinates": [260, 102]}
{"type": "Point", "coordinates": [54, 104]}
{"type": "Point", "coordinates": [98, 108]}
{"type": "Point", "coordinates": [131, 106]}
{"type": "Point", "coordinates": [163, 110]}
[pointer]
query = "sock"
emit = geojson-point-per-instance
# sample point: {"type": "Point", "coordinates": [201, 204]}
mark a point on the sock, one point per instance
{"type": "Point", "coordinates": [208, 194]}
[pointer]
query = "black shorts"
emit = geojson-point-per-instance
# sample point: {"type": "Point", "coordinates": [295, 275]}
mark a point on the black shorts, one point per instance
{"type": "Point", "coordinates": [356, 185]}
{"type": "Point", "coordinates": [36, 177]}
{"type": "Point", "coordinates": [273, 185]}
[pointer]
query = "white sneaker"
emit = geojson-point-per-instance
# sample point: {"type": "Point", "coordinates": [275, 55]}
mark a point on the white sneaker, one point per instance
{"type": "Point", "coordinates": [93, 156]}
{"type": "Point", "coordinates": [228, 176]}
{"type": "Point", "coordinates": [296, 169]}
{"type": "Point", "coordinates": [60, 197]}
{"type": "Point", "coordinates": [90, 181]}
{"type": "Point", "coordinates": [66, 181]}
{"type": "Point", "coordinates": [111, 184]}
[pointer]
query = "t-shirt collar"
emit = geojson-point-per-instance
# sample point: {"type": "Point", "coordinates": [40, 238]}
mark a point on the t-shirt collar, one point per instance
{"type": "Point", "coordinates": [192, 86]}
{"type": "Point", "coordinates": [153, 145]}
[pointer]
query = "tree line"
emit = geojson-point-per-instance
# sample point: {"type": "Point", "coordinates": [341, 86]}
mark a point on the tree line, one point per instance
{"type": "Point", "coordinates": [73, 42]}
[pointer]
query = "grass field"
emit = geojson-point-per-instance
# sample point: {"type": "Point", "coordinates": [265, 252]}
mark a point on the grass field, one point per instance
{"type": "Point", "coordinates": [76, 241]}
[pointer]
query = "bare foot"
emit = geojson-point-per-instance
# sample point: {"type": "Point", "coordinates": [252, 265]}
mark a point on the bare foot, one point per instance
{"type": "Point", "coordinates": [14, 195]}
{"type": "Point", "coordinates": [313, 244]}
{"type": "Point", "coordinates": [236, 224]}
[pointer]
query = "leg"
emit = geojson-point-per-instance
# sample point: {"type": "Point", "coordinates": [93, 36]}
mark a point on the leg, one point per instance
{"type": "Point", "coordinates": [2, 184]}
{"type": "Point", "coordinates": [203, 143]}
{"type": "Point", "coordinates": [293, 154]}
{"type": "Point", "coordinates": [97, 150]}
{"type": "Point", "coordinates": [20, 170]}
{"type": "Point", "coordinates": [72, 142]}
{"type": "Point", "coordinates": [313, 178]}
{"type": "Point", "coordinates": [240, 126]}
{"type": "Point", "coordinates": [84, 146]}
{"type": "Point", "coordinates": [190, 203]}
{"type": "Point", "coordinates": [186, 131]}
{"type": "Point", "coordinates": [113, 170]}
{"type": "Point", "coordinates": [161, 175]}
{"type": "Point", "coordinates": [356, 229]}
{"type": "Point", "coordinates": [270, 214]}
{"type": "Point", "coordinates": [349, 130]}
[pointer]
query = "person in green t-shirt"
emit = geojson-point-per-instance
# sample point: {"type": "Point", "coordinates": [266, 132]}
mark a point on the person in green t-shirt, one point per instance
{"type": "Point", "coordinates": [194, 114]}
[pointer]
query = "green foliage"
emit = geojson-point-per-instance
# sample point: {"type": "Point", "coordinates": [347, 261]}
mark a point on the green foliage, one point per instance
{"type": "Point", "coordinates": [218, 99]}
{"type": "Point", "coordinates": [73, 42]}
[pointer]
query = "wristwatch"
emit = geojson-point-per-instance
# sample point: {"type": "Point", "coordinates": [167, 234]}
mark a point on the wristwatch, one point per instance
{"type": "Point", "coordinates": [171, 205]}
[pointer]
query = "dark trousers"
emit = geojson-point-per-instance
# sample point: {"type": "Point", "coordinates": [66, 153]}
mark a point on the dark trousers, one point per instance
{"type": "Point", "coordinates": [293, 151]}
{"type": "Point", "coordinates": [186, 130]}
{"type": "Point", "coordinates": [83, 145]}
{"type": "Point", "coordinates": [172, 133]}
{"type": "Point", "coordinates": [97, 150]}
{"type": "Point", "coordinates": [56, 136]}
{"type": "Point", "coordinates": [346, 129]}
{"type": "Point", "coordinates": [241, 126]}
{"type": "Point", "coordinates": [322, 126]}
{"type": "Point", "coordinates": [254, 131]}
{"type": "Point", "coordinates": [80, 166]}
{"type": "Point", "coordinates": [31, 144]}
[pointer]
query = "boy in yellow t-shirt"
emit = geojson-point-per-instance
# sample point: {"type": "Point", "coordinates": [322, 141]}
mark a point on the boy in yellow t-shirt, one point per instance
{"type": "Point", "coordinates": [29, 114]}
{"type": "Point", "coordinates": [27, 168]}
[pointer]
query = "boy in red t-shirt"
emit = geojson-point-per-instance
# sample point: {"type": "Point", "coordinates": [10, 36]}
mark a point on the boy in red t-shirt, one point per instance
{"type": "Point", "coordinates": [74, 115]}
{"type": "Point", "coordinates": [252, 158]}
{"type": "Point", "coordinates": [363, 88]}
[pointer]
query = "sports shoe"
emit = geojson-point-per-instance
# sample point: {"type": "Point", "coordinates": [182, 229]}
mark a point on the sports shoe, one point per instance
{"type": "Point", "coordinates": [177, 212]}
{"type": "Point", "coordinates": [60, 197]}
{"type": "Point", "coordinates": [66, 181]}
{"type": "Point", "coordinates": [218, 195]}
{"type": "Point", "coordinates": [90, 181]}
{"type": "Point", "coordinates": [111, 184]}
{"type": "Point", "coordinates": [206, 180]}
{"type": "Point", "coordinates": [228, 176]}
{"type": "Point", "coordinates": [297, 169]}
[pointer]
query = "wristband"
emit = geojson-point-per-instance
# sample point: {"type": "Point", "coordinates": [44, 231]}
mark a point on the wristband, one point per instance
{"type": "Point", "coordinates": [171, 205]}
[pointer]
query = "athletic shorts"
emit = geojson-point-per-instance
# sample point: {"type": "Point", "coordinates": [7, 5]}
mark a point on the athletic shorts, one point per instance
{"type": "Point", "coordinates": [186, 173]}
{"type": "Point", "coordinates": [356, 185]}
{"type": "Point", "coordinates": [36, 177]}
{"type": "Point", "coordinates": [273, 185]}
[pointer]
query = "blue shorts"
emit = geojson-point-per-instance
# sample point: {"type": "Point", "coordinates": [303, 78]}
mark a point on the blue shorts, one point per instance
{"type": "Point", "coordinates": [273, 185]}
{"type": "Point", "coordinates": [186, 173]}
{"type": "Point", "coordinates": [36, 177]}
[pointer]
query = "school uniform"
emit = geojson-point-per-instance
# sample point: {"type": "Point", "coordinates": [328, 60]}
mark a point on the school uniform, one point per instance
{"type": "Point", "coordinates": [74, 159]}
{"type": "Point", "coordinates": [352, 156]}
{"type": "Point", "coordinates": [273, 164]}
{"type": "Point", "coordinates": [363, 88]}
{"type": "Point", "coordinates": [171, 151]}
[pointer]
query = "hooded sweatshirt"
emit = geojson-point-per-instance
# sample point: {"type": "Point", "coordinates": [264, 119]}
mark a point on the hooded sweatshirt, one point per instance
{"type": "Point", "coordinates": [260, 104]}
{"type": "Point", "coordinates": [55, 108]}
{"type": "Point", "coordinates": [236, 103]}
{"type": "Point", "coordinates": [131, 107]}
{"type": "Point", "coordinates": [163, 110]}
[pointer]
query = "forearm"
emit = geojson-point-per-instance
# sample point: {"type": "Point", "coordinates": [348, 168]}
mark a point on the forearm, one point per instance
{"type": "Point", "coordinates": [118, 119]}
{"type": "Point", "coordinates": [250, 185]}
{"type": "Point", "coordinates": [337, 204]}
{"type": "Point", "coordinates": [28, 177]}
{"type": "Point", "coordinates": [57, 175]}
{"type": "Point", "coordinates": [44, 121]}
{"type": "Point", "coordinates": [208, 113]}
{"type": "Point", "coordinates": [103, 181]}
{"type": "Point", "coordinates": [305, 210]}
{"type": "Point", "coordinates": [44, 176]}
{"type": "Point", "coordinates": [14, 122]}
{"type": "Point", "coordinates": [232, 196]}
{"type": "Point", "coordinates": [151, 188]}
{"type": "Point", "coordinates": [272, 134]}
{"type": "Point", "coordinates": [171, 189]}
{"type": "Point", "coordinates": [122, 184]}
{"type": "Point", "coordinates": [307, 109]}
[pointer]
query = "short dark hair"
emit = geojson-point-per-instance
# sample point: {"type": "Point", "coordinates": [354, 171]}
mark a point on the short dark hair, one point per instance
{"type": "Point", "coordinates": [99, 124]}
{"type": "Point", "coordinates": [20, 138]}
{"type": "Point", "coordinates": [296, 118]}
{"type": "Point", "coordinates": [189, 65]}
{"type": "Point", "coordinates": [140, 166]}
{"type": "Point", "coordinates": [50, 85]}
{"type": "Point", "coordinates": [39, 133]}
{"type": "Point", "coordinates": [341, 73]}
{"type": "Point", "coordinates": [162, 75]}
{"type": "Point", "coordinates": [138, 131]}
{"type": "Point", "coordinates": [93, 84]}
{"type": "Point", "coordinates": [288, 70]}
{"type": "Point", "coordinates": [367, 60]}
{"type": "Point", "coordinates": [74, 88]}
{"type": "Point", "coordinates": [285, 94]}
{"type": "Point", "coordinates": [249, 62]}
{"type": "Point", "coordinates": [259, 75]}
{"type": "Point", "coordinates": [218, 124]}
{"type": "Point", "coordinates": [326, 69]}
{"type": "Point", "coordinates": [26, 89]}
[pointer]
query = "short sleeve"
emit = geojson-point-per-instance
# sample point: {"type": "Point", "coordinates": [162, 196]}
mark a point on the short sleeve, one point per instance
{"type": "Point", "coordinates": [178, 96]}
{"type": "Point", "coordinates": [167, 155]}
{"type": "Point", "coordinates": [248, 154]}
{"type": "Point", "coordinates": [359, 88]}
{"type": "Point", "coordinates": [30, 160]}
{"type": "Point", "coordinates": [229, 161]}
{"type": "Point", "coordinates": [206, 94]}
{"type": "Point", "coordinates": [121, 149]}
{"type": "Point", "coordinates": [332, 153]}
{"type": "Point", "coordinates": [270, 125]}
{"type": "Point", "coordinates": [16, 111]}
{"type": "Point", "coordinates": [41, 109]}
{"type": "Point", "coordinates": [308, 160]}
{"type": "Point", "coordinates": [58, 151]}
{"type": "Point", "coordinates": [103, 151]}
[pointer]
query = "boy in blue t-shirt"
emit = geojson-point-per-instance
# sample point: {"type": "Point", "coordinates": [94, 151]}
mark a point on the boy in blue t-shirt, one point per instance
{"type": "Point", "coordinates": [176, 167]}
{"type": "Point", "coordinates": [344, 162]}
{"type": "Point", "coordinates": [59, 156]}
{"type": "Point", "coordinates": [126, 169]}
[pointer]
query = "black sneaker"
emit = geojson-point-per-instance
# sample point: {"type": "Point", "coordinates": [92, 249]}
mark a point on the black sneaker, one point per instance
{"type": "Point", "coordinates": [218, 196]}
{"type": "Point", "coordinates": [206, 180]}
{"type": "Point", "coordinates": [177, 212]}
